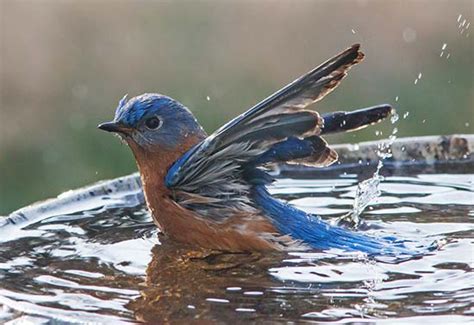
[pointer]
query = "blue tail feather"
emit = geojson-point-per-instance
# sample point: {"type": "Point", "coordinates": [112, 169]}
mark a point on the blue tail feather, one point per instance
{"type": "Point", "coordinates": [317, 233]}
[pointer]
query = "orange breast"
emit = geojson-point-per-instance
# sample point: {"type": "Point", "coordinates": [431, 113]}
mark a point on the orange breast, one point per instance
{"type": "Point", "coordinates": [239, 233]}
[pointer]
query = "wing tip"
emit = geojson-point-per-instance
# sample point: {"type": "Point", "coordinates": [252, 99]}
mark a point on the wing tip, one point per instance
{"type": "Point", "coordinates": [354, 50]}
{"type": "Point", "coordinates": [322, 156]}
{"type": "Point", "coordinates": [341, 64]}
{"type": "Point", "coordinates": [355, 46]}
{"type": "Point", "coordinates": [381, 111]}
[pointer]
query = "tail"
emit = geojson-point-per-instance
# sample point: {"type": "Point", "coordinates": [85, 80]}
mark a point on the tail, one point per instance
{"type": "Point", "coordinates": [318, 234]}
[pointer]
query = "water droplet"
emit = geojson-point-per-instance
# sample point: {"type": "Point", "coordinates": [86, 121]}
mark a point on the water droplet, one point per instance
{"type": "Point", "coordinates": [353, 31]}
{"type": "Point", "coordinates": [218, 300]}
{"type": "Point", "coordinates": [406, 115]}
{"type": "Point", "coordinates": [394, 118]}
{"type": "Point", "coordinates": [245, 310]}
{"type": "Point", "coordinates": [459, 17]}
{"type": "Point", "coordinates": [423, 121]}
{"type": "Point", "coordinates": [409, 35]}
{"type": "Point", "coordinates": [447, 56]}
{"type": "Point", "coordinates": [233, 288]}
{"type": "Point", "coordinates": [444, 46]}
{"type": "Point", "coordinates": [467, 124]}
{"type": "Point", "coordinates": [396, 98]}
{"type": "Point", "coordinates": [208, 98]}
{"type": "Point", "coordinates": [416, 81]}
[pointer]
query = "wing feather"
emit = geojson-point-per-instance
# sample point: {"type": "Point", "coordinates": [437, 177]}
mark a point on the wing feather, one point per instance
{"type": "Point", "coordinates": [215, 177]}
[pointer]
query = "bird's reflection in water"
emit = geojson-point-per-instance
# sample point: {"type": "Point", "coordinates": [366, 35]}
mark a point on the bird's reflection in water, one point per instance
{"type": "Point", "coordinates": [201, 284]}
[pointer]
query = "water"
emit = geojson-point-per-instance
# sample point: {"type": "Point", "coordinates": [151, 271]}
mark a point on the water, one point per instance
{"type": "Point", "coordinates": [89, 263]}
{"type": "Point", "coordinates": [368, 190]}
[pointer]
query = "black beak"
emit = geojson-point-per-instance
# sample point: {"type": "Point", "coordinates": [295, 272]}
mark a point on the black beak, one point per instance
{"type": "Point", "coordinates": [109, 127]}
{"type": "Point", "coordinates": [112, 127]}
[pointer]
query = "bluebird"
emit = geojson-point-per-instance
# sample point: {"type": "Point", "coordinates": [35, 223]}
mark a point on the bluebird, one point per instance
{"type": "Point", "coordinates": [210, 190]}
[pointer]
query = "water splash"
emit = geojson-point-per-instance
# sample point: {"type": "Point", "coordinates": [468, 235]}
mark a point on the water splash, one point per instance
{"type": "Point", "coordinates": [418, 78]}
{"type": "Point", "coordinates": [443, 48]}
{"type": "Point", "coordinates": [369, 189]}
{"type": "Point", "coordinates": [463, 25]}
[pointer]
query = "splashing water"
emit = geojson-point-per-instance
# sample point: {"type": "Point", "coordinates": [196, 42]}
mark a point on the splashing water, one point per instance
{"type": "Point", "coordinates": [418, 78]}
{"type": "Point", "coordinates": [369, 189]}
{"type": "Point", "coordinates": [463, 25]}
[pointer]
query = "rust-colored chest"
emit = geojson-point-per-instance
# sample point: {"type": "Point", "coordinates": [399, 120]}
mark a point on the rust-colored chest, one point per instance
{"type": "Point", "coordinates": [241, 232]}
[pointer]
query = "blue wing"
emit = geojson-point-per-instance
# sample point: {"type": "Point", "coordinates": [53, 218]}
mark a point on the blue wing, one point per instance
{"type": "Point", "coordinates": [216, 176]}
{"type": "Point", "coordinates": [355, 120]}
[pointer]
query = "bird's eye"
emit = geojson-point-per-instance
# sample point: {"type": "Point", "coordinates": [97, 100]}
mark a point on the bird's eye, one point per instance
{"type": "Point", "coordinates": [153, 123]}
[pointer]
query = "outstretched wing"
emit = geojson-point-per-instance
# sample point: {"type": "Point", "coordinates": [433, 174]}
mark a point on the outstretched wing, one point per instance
{"type": "Point", "coordinates": [350, 121]}
{"type": "Point", "coordinates": [215, 176]}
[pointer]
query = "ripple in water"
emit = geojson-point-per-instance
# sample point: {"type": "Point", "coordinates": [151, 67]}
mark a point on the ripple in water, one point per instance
{"type": "Point", "coordinates": [104, 263]}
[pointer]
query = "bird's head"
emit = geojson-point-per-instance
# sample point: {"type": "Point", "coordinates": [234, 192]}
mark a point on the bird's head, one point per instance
{"type": "Point", "coordinates": [154, 123]}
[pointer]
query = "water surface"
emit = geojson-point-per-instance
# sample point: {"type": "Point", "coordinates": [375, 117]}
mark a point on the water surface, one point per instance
{"type": "Point", "coordinates": [105, 262]}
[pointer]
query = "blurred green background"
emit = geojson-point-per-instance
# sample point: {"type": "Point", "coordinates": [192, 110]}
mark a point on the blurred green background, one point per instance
{"type": "Point", "coordinates": [65, 65]}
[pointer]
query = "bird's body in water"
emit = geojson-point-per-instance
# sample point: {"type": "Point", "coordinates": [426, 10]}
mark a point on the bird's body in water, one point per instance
{"type": "Point", "coordinates": [210, 191]}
